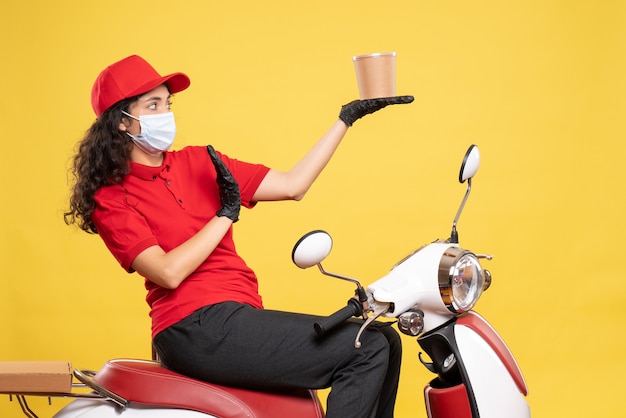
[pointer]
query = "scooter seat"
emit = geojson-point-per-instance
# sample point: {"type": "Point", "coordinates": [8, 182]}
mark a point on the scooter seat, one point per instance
{"type": "Point", "coordinates": [147, 382]}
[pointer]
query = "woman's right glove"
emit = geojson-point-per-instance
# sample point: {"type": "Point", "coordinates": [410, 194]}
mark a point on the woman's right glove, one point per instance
{"type": "Point", "coordinates": [229, 189]}
{"type": "Point", "coordinates": [359, 108]}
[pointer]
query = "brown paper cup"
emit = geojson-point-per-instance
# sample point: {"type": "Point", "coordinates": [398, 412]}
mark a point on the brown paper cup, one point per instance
{"type": "Point", "coordinates": [376, 74]}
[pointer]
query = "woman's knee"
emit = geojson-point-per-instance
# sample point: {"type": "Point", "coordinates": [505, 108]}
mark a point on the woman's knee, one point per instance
{"type": "Point", "coordinates": [375, 345]}
{"type": "Point", "coordinates": [393, 338]}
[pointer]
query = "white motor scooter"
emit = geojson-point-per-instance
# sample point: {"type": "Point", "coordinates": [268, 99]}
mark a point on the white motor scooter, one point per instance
{"type": "Point", "coordinates": [431, 293]}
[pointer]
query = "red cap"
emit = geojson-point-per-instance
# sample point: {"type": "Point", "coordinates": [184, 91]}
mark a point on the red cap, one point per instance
{"type": "Point", "coordinates": [130, 77]}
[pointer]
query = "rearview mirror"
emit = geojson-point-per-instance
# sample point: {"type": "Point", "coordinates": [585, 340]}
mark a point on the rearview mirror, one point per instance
{"type": "Point", "coordinates": [470, 164]}
{"type": "Point", "coordinates": [311, 249]}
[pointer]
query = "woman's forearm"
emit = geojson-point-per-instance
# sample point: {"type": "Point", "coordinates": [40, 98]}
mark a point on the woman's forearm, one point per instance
{"type": "Point", "coordinates": [294, 183]}
{"type": "Point", "coordinates": [306, 171]}
{"type": "Point", "coordinates": [170, 269]}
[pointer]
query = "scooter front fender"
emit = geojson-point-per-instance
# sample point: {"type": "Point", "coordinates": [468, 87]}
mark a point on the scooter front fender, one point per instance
{"type": "Point", "coordinates": [477, 374]}
{"type": "Point", "coordinates": [494, 375]}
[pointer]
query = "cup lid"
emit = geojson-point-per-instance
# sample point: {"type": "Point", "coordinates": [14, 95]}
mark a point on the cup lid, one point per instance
{"type": "Point", "coordinates": [373, 55]}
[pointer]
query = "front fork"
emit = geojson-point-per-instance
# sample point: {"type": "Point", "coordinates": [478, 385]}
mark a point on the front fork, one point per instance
{"type": "Point", "coordinates": [450, 394]}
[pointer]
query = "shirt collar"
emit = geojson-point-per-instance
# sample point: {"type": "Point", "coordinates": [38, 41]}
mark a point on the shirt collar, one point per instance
{"type": "Point", "coordinates": [146, 172]}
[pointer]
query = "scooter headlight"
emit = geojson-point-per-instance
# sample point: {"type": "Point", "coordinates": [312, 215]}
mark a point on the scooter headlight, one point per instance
{"type": "Point", "coordinates": [461, 279]}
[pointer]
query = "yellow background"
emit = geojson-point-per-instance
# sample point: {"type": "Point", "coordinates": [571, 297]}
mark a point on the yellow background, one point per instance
{"type": "Point", "coordinates": [537, 84]}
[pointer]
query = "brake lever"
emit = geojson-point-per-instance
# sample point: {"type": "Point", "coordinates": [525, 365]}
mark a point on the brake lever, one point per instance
{"type": "Point", "coordinates": [379, 309]}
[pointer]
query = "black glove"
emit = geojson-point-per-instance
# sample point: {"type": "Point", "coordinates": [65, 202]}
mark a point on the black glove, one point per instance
{"type": "Point", "coordinates": [359, 108]}
{"type": "Point", "coordinates": [229, 189]}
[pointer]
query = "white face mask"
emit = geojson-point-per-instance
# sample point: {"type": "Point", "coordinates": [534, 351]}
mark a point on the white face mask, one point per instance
{"type": "Point", "coordinates": [157, 132]}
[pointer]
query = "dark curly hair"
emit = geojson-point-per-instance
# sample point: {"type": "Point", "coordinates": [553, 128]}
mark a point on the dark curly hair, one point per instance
{"type": "Point", "coordinates": [102, 159]}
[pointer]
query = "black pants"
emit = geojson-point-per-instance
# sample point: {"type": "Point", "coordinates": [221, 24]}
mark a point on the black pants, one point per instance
{"type": "Point", "coordinates": [237, 345]}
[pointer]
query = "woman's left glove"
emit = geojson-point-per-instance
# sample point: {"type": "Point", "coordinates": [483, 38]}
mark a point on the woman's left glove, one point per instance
{"type": "Point", "coordinates": [229, 189]}
{"type": "Point", "coordinates": [356, 109]}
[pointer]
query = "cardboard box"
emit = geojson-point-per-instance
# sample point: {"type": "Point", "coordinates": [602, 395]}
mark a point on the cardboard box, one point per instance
{"type": "Point", "coordinates": [35, 376]}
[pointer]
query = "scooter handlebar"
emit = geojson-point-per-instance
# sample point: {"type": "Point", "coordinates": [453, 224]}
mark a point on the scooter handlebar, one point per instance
{"type": "Point", "coordinates": [353, 308]}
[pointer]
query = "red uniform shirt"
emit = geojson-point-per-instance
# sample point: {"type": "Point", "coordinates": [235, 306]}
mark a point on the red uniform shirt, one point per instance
{"type": "Point", "coordinates": [165, 206]}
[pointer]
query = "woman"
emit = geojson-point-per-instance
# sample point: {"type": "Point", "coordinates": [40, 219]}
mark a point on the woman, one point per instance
{"type": "Point", "coordinates": [168, 216]}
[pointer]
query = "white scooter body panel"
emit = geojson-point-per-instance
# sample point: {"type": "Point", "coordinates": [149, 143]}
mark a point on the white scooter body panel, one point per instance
{"type": "Point", "coordinates": [96, 408]}
{"type": "Point", "coordinates": [492, 381]}
{"type": "Point", "coordinates": [405, 284]}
